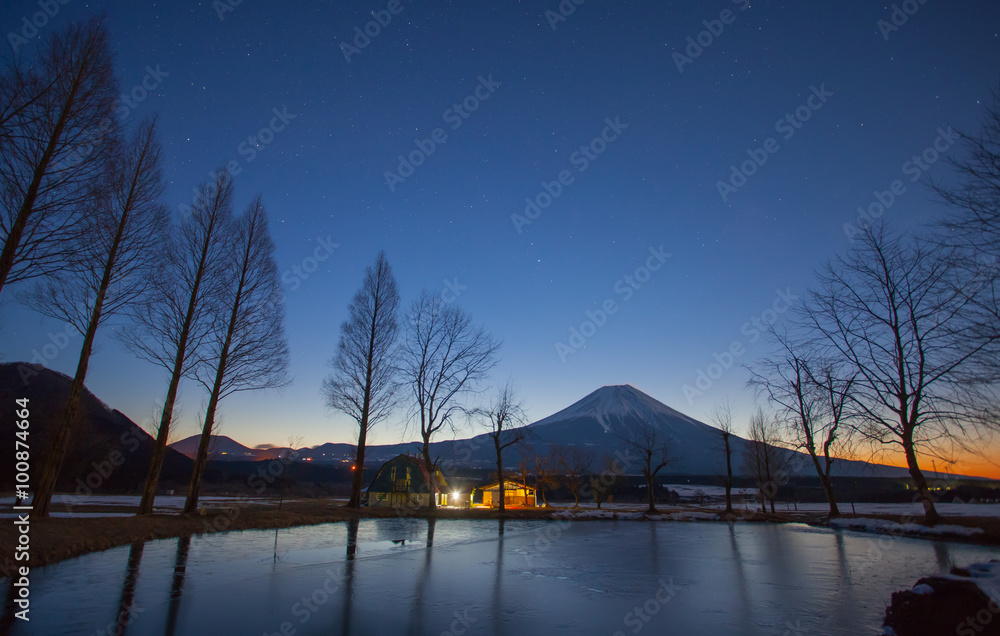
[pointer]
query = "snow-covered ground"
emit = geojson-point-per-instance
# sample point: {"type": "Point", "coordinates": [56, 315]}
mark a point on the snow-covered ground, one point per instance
{"type": "Point", "coordinates": [902, 510]}
{"type": "Point", "coordinates": [884, 526]}
{"type": "Point", "coordinates": [694, 490]}
{"type": "Point", "coordinates": [163, 503]}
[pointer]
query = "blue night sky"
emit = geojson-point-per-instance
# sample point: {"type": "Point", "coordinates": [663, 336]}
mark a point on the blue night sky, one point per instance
{"type": "Point", "coordinates": [657, 140]}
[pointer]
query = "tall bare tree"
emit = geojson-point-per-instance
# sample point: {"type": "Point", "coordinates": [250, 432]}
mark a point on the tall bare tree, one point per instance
{"type": "Point", "coordinates": [603, 485]}
{"type": "Point", "coordinates": [653, 447]}
{"type": "Point", "coordinates": [444, 356]}
{"type": "Point", "coordinates": [504, 419]}
{"type": "Point", "coordinates": [547, 473]}
{"type": "Point", "coordinates": [810, 397]}
{"type": "Point", "coordinates": [763, 457]}
{"type": "Point", "coordinates": [248, 351]}
{"type": "Point", "coordinates": [972, 231]}
{"type": "Point", "coordinates": [722, 418]}
{"type": "Point", "coordinates": [363, 385]}
{"type": "Point", "coordinates": [119, 247]}
{"type": "Point", "coordinates": [58, 131]}
{"type": "Point", "coordinates": [170, 328]}
{"type": "Point", "coordinates": [576, 463]}
{"type": "Point", "coordinates": [892, 315]}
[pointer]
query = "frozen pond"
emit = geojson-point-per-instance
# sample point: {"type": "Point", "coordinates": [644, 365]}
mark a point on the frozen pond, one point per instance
{"type": "Point", "coordinates": [412, 576]}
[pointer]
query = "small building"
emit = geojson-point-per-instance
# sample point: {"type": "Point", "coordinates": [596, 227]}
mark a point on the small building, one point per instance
{"type": "Point", "coordinates": [515, 494]}
{"type": "Point", "coordinates": [403, 482]}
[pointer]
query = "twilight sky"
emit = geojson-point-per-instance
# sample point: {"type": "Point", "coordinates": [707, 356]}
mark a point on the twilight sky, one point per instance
{"type": "Point", "coordinates": [426, 138]}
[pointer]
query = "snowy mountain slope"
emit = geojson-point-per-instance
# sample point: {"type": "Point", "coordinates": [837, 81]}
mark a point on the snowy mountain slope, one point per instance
{"type": "Point", "coordinates": [600, 421]}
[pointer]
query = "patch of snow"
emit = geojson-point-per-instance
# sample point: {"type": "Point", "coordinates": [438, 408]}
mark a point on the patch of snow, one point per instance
{"type": "Point", "coordinates": [891, 527]}
{"type": "Point", "coordinates": [987, 577]}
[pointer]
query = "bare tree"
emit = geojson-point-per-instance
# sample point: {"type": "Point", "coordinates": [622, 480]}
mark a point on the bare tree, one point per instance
{"type": "Point", "coordinates": [763, 457]}
{"type": "Point", "coordinates": [504, 419]}
{"type": "Point", "coordinates": [891, 315]}
{"type": "Point", "coordinates": [248, 347]}
{"type": "Point", "coordinates": [546, 473]}
{"type": "Point", "coordinates": [722, 418]}
{"type": "Point", "coordinates": [972, 232]}
{"type": "Point", "coordinates": [524, 466]}
{"type": "Point", "coordinates": [119, 248]}
{"type": "Point", "coordinates": [653, 446]}
{"type": "Point", "coordinates": [576, 463]}
{"type": "Point", "coordinates": [57, 135]}
{"type": "Point", "coordinates": [362, 385]}
{"type": "Point", "coordinates": [603, 485]}
{"type": "Point", "coordinates": [170, 328]}
{"type": "Point", "coordinates": [444, 356]}
{"type": "Point", "coordinates": [810, 398]}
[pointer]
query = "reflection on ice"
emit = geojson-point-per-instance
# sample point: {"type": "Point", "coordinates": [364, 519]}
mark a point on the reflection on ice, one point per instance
{"type": "Point", "coordinates": [418, 576]}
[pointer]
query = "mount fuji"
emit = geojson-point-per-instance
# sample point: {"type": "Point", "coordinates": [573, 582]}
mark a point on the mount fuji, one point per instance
{"type": "Point", "coordinates": [598, 422]}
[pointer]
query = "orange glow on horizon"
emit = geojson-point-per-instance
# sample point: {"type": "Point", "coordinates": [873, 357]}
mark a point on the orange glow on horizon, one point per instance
{"type": "Point", "coordinates": [970, 464]}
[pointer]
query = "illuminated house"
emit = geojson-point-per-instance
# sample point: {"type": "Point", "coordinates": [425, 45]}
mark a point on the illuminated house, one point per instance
{"type": "Point", "coordinates": [515, 494]}
{"type": "Point", "coordinates": [403, 482]}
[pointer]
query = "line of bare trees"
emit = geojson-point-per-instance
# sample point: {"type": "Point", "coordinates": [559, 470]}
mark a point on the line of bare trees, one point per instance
{"type": "Point", "coordinates": [83, 219]}
{"type": "Point", "coordinates": [436, 359]}
{"type": "Point", "coordinates": [896, 346]}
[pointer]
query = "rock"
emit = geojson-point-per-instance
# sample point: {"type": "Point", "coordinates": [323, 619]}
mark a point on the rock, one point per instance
{"type": "Point", "coordinates": [943, 605]}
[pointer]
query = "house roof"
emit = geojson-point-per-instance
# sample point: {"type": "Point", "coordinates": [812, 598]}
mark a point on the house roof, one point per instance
{"type": "Point", "coordinates": [383, 480]}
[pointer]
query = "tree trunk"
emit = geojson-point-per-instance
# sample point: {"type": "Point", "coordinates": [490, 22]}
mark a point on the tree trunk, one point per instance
{"type": "Point", "coordinates": [201, 459]}
{"type": "Point", "coordinates": [931, 516]}
{"type": "Point", "coordinates": [729, 477]}
{"type": "Point", "coordinates": [828, 488]}
{"type": "Point", "coordinates": [28, 203]}
{"type": "Point", "coordinates": [500, 488]}
{"type": "Point", "coordinates": [160, 448]}
{"type": "Point", "coordinates": [162, 434]}
{"type": "Point", "coordinates": [429, 465]}
{"type": "Point", "coordinates": [652, 499]}
{"type": "Point", "coordinates": [50, 474]}
{"type": "Point", "coordinates": [359, 468]}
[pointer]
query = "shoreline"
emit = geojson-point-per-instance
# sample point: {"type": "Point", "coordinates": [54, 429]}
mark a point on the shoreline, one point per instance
{"type": "Point", "coordinates": [58, 539]}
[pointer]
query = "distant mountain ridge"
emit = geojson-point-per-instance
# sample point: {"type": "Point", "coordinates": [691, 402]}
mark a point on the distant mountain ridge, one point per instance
{"type": "Point", "coordinates": [107, 449]}
{"type": "Point", "coordinates": [223, 448]}
{"type": "Point", "coordinates": [596, 422]}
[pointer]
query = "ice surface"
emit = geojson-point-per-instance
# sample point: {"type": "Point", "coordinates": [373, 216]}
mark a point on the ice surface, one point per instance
{"type": "Point", "coordinates": [524, 577]}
